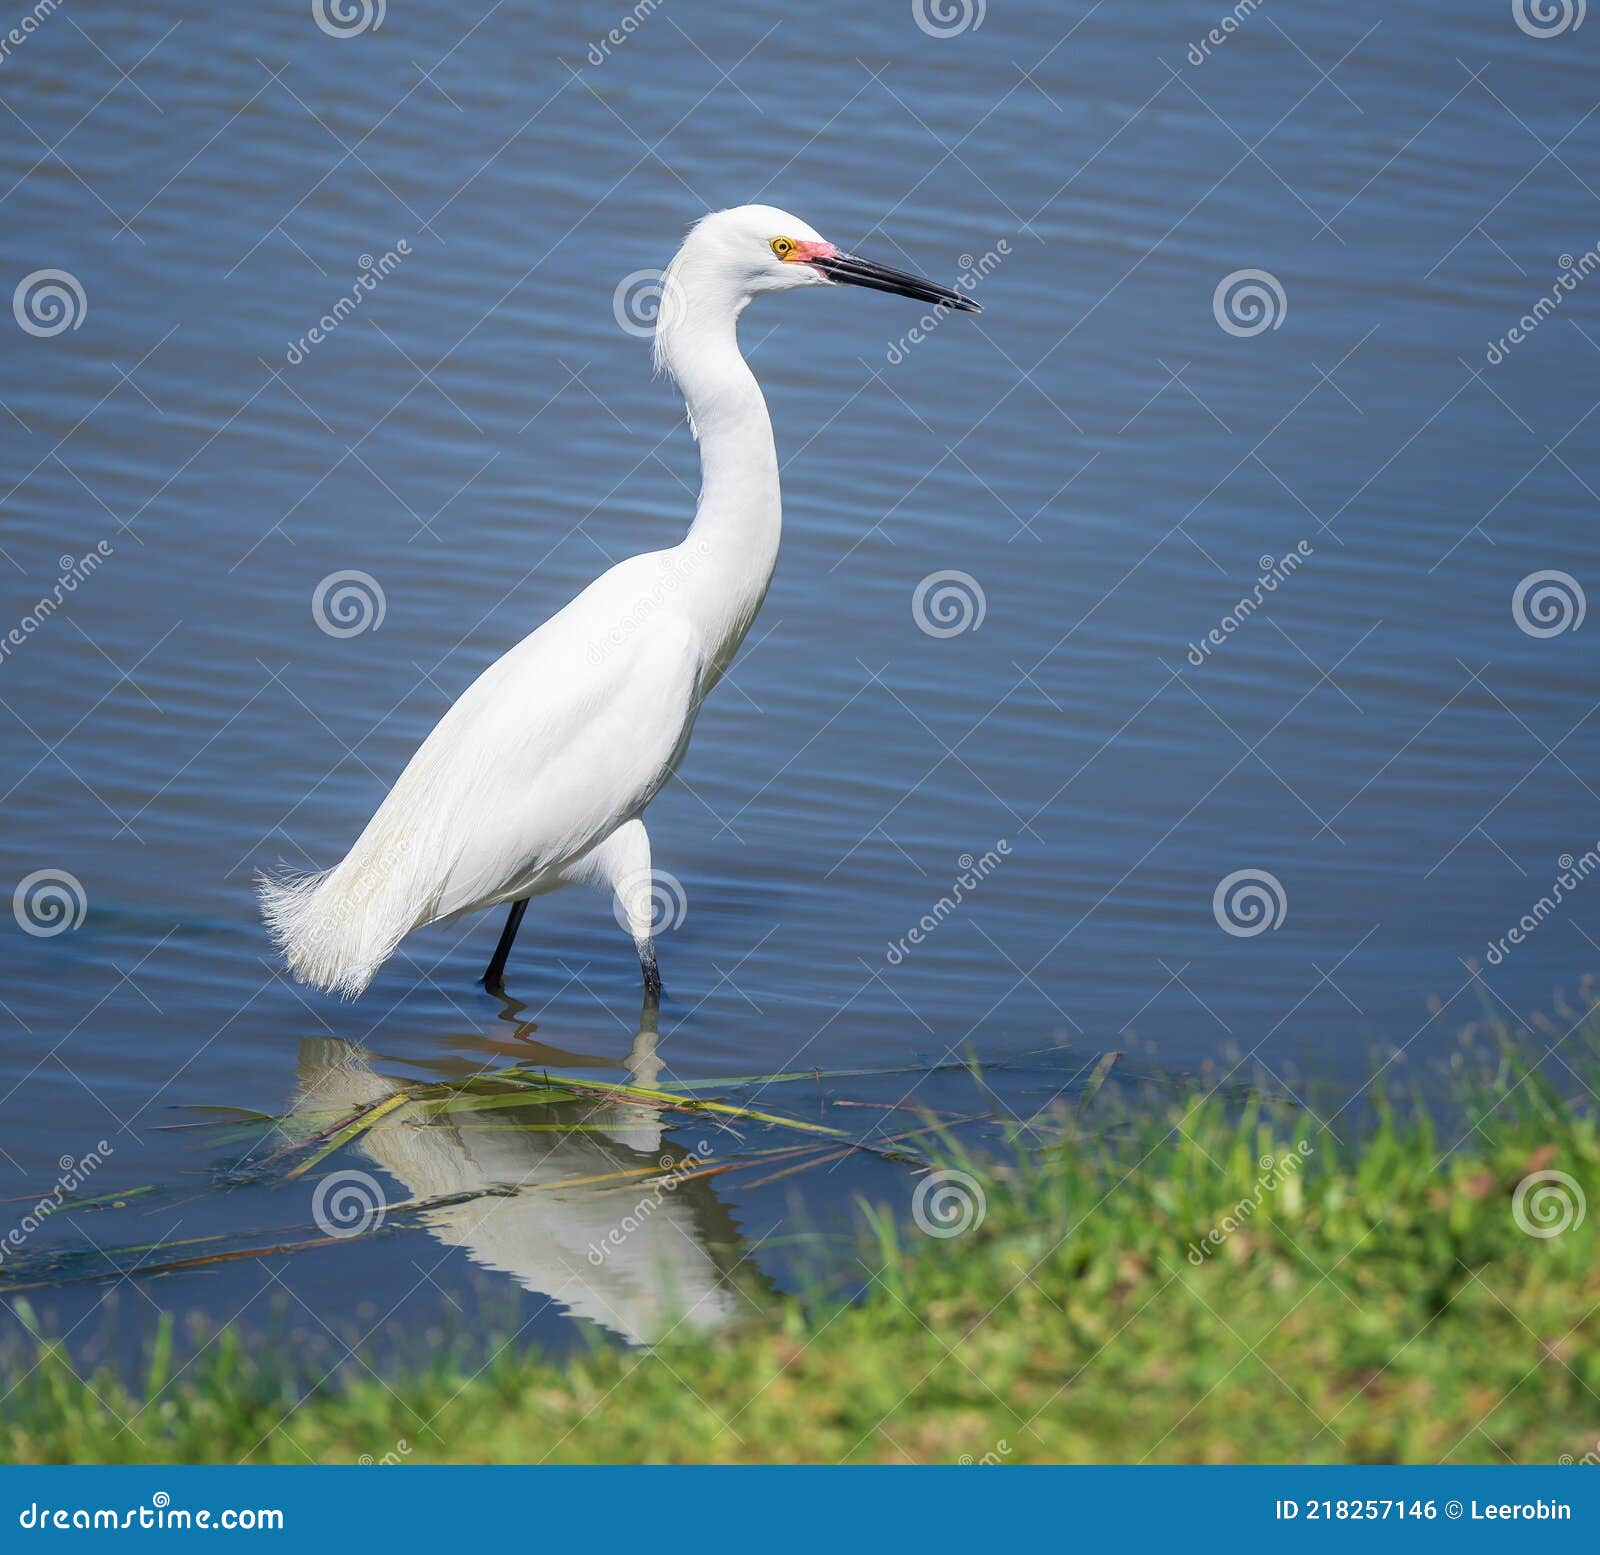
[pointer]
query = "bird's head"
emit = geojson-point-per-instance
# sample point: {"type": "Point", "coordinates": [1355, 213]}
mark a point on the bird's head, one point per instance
{"type": "Point", "coordinates": [758, 248]}
{"type": "Point", "coordinates": [731, 257]}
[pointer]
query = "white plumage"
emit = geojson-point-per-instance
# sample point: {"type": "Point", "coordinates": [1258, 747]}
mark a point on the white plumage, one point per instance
{"type": "Point", "coordinates": [556, 1234]}
{"type": "Point", "coordinates": [539, 774]}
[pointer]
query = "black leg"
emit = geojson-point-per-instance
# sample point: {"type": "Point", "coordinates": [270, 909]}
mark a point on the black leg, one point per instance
{"type": "Point", "coordinates": [495, 978]}
{"type": "Point", "coordinates": [652, 976]}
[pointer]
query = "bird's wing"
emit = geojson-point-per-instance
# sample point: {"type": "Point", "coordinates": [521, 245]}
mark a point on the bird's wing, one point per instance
{"type": "Point", "coordinates": [554, 745]}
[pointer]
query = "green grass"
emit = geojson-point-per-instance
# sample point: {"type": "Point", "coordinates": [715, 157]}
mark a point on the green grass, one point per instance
{"type": "Point", "coordinates": [1379, 1303]}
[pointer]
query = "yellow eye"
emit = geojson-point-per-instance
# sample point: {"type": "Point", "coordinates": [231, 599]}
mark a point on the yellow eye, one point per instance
{"type": "Point", "coordinates": [783, 247]}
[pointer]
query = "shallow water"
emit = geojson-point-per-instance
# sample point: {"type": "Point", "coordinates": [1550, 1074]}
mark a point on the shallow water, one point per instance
{"type": "Point", "coordinates": [1105, 462]}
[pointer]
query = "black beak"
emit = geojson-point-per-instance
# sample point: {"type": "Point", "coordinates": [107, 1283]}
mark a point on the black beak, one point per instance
{"type": "Point", "coordinates": [848, 270]}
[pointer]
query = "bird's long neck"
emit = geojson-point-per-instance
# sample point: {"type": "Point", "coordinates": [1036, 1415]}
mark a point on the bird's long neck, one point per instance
{"type": "Point", "coordinates": [732, 546]}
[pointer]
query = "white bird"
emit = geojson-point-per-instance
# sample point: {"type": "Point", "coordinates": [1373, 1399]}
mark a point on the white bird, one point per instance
{"type": "Point", "coordinates": [539, 775]}
{"type": "Point", "coordinates": [556, 1232]}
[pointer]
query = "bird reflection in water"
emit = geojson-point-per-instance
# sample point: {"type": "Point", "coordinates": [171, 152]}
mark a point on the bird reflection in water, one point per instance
{"type": "Point", "coordinates": [646, 1260]}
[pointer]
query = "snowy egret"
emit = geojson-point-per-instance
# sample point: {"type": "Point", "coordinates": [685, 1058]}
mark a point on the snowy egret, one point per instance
{"type": "Point", "coordinates": [539, 775]}
{"type": "Point", "coordinates": [666, 1269]}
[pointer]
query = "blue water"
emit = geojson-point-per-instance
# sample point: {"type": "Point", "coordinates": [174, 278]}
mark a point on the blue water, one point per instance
{"type": "Point", "coordinates": [1104, 461]}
